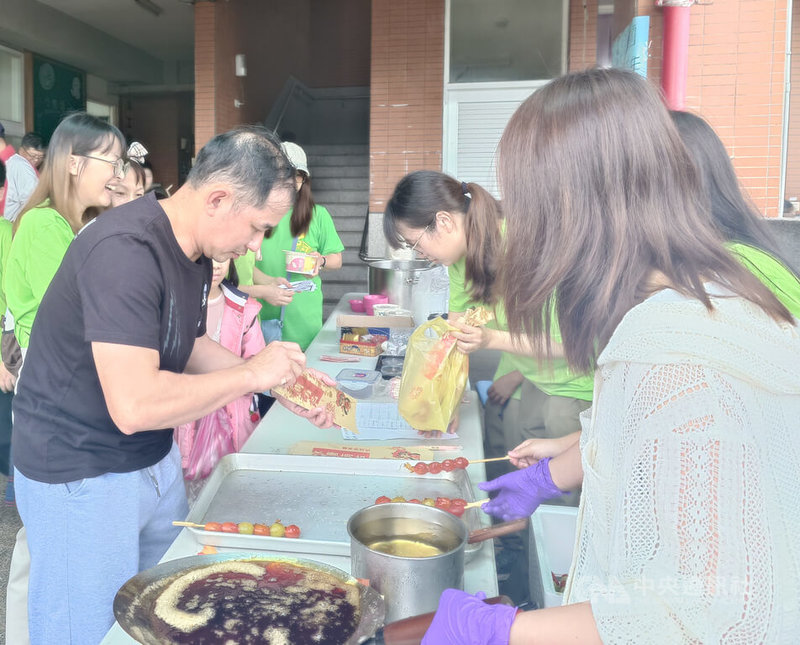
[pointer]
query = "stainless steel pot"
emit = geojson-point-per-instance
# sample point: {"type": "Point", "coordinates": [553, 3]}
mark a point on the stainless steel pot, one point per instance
{"type": "Point", "coordinates": [396, 279]}
{"type": "Point", "coordinates": [409, 585]}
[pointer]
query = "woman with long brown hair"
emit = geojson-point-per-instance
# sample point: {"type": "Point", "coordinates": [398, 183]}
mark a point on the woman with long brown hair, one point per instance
{"type": "Point", "coordinates": [689, 458]}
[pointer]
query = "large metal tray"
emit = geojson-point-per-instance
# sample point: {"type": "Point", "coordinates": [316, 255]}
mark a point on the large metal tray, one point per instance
{"type": "Point", "coordinates": [318, 494]}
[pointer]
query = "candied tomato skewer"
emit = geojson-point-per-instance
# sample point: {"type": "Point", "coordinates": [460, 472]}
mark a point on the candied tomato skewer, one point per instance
{"type": "Point", "coordinates": [435, 467]}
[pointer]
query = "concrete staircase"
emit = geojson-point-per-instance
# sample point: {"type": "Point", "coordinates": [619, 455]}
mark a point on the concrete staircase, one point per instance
{"type": "Point", "coordinates": [340, 182]}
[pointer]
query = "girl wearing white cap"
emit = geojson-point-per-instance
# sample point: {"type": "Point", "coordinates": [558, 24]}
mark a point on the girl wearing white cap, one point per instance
{"type": "Point", "coordinates": [307, 228]}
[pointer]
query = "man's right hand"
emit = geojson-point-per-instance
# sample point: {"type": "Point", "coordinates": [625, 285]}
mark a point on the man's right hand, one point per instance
{"type": "Point", "coordinates": [279, 363]}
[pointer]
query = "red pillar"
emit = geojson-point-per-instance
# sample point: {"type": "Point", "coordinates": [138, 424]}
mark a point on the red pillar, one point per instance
{"type": "Point", "coordinates": [675, 60]}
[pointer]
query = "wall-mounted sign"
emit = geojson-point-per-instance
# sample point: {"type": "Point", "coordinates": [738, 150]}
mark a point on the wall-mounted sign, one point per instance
{"type": "Point", "coordinates": [631, 48]}
{"type": "Point", "coordinates": [58, 90]}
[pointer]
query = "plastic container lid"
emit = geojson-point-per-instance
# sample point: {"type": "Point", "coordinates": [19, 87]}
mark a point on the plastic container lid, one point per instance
{"type": "Point", "coordinates": [358, 383]}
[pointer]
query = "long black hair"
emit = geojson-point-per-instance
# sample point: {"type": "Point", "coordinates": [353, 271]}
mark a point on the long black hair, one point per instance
{"type": "Point", "coordinates": [732, 211]}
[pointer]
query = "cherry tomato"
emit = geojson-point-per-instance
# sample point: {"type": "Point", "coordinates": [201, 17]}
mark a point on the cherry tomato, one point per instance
{"type": "Point", "coordinates": [421, 468]}
{"type": "Point", "coordinates": [398, 499]}
{"type": "Point", "coordinates": [414, 501]}
{"type": "Point", "coordinates": [230, 527]}
{"type": "Point", "coordinates": [246, 528]}
{"type": "Point", "coordinates": [458, 502]}
{"type": "Point", "coordinates": [429, 501]}
{"type": "Point", "coordinates": [461, 462]}
{"type": "Point", "coordinates": [443, 503]}
{"type": "Point", "coordinates": [277, 529]}
{"type": "Point", "coordinates": [292, 531]}
{"type": "Point", "coordinates": [383, 500]}
{"type": "Point", "coordinates": [260, 529]}
{"type": "Point", "coordinates": [434, 467]}
{"type": "Point", "coordinates": [448, 465]}
{"type": "Point", "coordinates": [456, 510]}
{"type": "Point", "coordinates": [212, 526]}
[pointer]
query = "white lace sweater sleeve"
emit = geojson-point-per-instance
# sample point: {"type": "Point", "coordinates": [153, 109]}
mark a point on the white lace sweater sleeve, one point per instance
{"type": "Point", "coordinates": [689, 526]}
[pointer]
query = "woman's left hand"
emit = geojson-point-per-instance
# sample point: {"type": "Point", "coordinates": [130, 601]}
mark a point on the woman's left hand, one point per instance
{"type": "Point", "coordinates": [470, 338]}
{"type": "Point", "coordinates": [464, 618]}
{"type": "Point", "coordinates": [317, 264]}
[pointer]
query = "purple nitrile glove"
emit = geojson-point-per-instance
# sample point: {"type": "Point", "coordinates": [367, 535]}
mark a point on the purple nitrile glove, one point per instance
{"type": "Point", "coordinates": [521, 491]}
{"type": "Point", "coordinates": [464, 619]}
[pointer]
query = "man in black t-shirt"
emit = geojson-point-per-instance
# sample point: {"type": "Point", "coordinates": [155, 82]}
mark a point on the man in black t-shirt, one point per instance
{"type": "Point", "coordinates": [119, 356]}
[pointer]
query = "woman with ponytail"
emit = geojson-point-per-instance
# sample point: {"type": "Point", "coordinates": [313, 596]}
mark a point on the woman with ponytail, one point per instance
{"type": "Point", "coordinates": [307, 228]}
{"type": "Point", "coordinates": [461, 225]}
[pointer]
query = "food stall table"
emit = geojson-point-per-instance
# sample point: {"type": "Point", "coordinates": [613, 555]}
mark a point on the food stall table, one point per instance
{"type": "Point", "coordinates": [280, 429]}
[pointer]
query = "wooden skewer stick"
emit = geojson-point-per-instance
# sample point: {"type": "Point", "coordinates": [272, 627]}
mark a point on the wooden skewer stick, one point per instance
{"type": "Point", "coordinates": [477, 504]}
{"type": "Point", "coordinates": [189, 524]}
{"type": "Point", "coordinates": [484, 461]}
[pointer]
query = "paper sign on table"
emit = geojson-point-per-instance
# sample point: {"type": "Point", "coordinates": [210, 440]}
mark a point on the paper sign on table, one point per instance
{"type": "Point", "coordinates": [310, 392]}
{"type": "Point", "coordinates": [381, 420]}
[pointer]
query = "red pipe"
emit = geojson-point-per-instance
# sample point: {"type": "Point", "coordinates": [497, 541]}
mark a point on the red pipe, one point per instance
{"type": "Point", "coordinates": [675, 60]}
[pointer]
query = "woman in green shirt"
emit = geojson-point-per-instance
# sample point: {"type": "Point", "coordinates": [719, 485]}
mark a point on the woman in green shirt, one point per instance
{"type": "Point", "coordinates": [734, 215]}
{"type": "Point", "coordinates": [312, 226]}
{"type": "Point", "coordinates": [84, 155]}
{"type": "Point", "coordinates": [461, 226]}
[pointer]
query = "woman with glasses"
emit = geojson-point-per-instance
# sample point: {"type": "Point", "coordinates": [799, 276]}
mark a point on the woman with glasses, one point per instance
{"type": "Point", "coordinates": [84, 155]}
{"type": "Point", "coordinates": [306, 228]}
{"type": "Point", "coordinates": [461, 226]}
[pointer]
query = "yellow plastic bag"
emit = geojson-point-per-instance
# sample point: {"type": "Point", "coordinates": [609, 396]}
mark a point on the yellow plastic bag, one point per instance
{"type": "Point", "coordinates": [434, 376]}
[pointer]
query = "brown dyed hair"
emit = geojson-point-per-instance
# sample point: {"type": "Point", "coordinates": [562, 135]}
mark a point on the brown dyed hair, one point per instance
{"type": "Point", "coordinates": [594, 176]}
{"type": "Point", "coordinates": [420, 195]}
{"type": "Point", "coordinates": [303, 208]}
{"type": "Point", "coordinates": [78, 134]}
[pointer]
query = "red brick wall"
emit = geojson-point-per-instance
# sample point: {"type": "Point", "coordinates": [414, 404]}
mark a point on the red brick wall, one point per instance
{"type": "Point", "coordinates": [322, 43]}
{"type": "Point", "coordinates": [158, 121]}
{"type": "Point", "coordinates": [340, 43]}
{"type": "Point", "coordinates": [735, 80]}
{"type": "Point", "coordinates": [793, 143]}
{"type": "Point", "coordinates": [407, 73]}
{"type": "Point", "coordinates": [205, 115]}
{"type": "Point", "coordinates": [582, 34]}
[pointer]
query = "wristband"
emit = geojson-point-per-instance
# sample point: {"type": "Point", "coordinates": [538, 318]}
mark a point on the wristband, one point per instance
{"type": "Point", "coordinates": [324, 262]}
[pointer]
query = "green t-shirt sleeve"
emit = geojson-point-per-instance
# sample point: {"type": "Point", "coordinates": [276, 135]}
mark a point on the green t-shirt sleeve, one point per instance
{"type": "Point", "coordinates": [775, 275]}
{"type": "Point", "coordinates": [459, 296]}
{"type": "Point", "coordinates": [244, 267]}
{"type": "Point", "coordinates": [321, 236]}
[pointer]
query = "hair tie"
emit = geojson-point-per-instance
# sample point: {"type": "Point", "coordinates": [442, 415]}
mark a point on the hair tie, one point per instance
{"type": "Point", "coordinates": [137, 152]}
{"type": "Point", "coordinates": [465, 189]}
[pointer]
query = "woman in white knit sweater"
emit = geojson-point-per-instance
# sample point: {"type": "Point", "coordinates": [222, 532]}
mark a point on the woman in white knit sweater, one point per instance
{"type": "Point", "coordinates": [690, 456]}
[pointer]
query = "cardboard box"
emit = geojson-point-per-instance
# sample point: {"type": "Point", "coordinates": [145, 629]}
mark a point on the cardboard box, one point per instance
{"type": "Point", "coordinates": [310, 392]}
{"type": "Point", "coordinates": [371, 347]}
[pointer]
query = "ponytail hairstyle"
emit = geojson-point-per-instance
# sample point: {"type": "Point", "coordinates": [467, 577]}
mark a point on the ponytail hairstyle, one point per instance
{"type": "Point", "coordinates": [79, 134]}
{"type": "Point", "coordinates": [303, 206]}
{"type": "Point", "coordinates": [421, 194]}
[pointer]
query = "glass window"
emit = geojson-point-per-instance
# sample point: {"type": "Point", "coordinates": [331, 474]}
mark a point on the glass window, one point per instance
{"type": "Point", "coordinates": [11, 86]}
{"type": "Point", "coordinates": [506, 40]}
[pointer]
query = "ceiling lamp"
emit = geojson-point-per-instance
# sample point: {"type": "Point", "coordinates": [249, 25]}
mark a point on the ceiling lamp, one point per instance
{"type": "Point", "coordinates": [149, 5]}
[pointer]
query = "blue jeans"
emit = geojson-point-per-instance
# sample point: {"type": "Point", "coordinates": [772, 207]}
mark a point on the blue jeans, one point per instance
{"type": "Point", "coordinates": [87, 537]}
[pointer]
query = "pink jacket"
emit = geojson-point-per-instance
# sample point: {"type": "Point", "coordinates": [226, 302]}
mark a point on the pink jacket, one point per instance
{"type": "Point", "coordinates": [225, 430]}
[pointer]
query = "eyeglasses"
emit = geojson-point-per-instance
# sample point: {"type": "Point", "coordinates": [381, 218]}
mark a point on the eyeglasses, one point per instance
{"type": "Point", "coordinates": [413, 247]}
{"type": "Point", "coordinates": [120, 165]}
